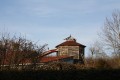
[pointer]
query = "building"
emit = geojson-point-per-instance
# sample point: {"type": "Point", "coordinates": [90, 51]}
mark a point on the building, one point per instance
{"type": "Point", "coordinates": [71, 48]}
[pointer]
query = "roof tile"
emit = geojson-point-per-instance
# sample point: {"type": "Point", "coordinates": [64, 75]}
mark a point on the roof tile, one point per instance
{"type": "Point", "coordinates": [70, 43]}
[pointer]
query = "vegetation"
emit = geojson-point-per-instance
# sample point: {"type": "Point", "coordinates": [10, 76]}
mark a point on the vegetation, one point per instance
{"type": "Point", "coordinates": [15, 50]}
{"type": "Point", "coordinates": [111, 33]}
{"type": "Point", "coordinates": [94, 69]}
{"type": "Point", "coordinates": [109, 37]}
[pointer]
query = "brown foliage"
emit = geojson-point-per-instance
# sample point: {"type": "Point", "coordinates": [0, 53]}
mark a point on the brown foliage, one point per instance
{"type": "Point", "coordinates": [103, 63]}
{"type": "Point", "coordinates": [14, 50]}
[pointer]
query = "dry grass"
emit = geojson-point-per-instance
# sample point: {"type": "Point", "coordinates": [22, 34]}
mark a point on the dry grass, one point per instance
{"type": "Point", "coordinates": [103, 63]}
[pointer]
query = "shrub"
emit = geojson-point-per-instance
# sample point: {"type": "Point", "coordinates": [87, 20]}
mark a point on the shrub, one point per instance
{"type": "Point", "coordinates": [57, 66]}
{"type": "Point", "coordinates": [102, 63]}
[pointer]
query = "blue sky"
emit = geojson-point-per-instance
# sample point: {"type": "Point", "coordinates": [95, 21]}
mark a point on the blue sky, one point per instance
{"type": "Point", "coordinates": [50, 21]}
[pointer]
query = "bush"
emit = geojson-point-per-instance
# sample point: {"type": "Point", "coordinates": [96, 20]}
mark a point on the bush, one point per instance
{"type": "Point", "coordinates": [58, 66]}
{"type": "Point", "coordinates": [102, 64]}
{"type": "Point", "coordinates": [98, 63]}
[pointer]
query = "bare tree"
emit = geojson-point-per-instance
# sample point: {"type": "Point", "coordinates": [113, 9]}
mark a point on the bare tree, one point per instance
{"type": "Point", "coordinates": [15, 50]}
{"type": "Point", "coordinates": [97, 49]}
{"type": "Point", "coordinates": [111, 33]}
{"type": "Point", "coordinates": [92, 50]}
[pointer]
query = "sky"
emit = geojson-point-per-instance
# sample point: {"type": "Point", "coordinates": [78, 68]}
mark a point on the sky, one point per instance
{"type": "Point", "coordinates": [50, 21]}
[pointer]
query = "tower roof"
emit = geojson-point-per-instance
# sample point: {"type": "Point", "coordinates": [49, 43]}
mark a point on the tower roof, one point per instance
{"type": "Point", "coordinates": [70, 41]}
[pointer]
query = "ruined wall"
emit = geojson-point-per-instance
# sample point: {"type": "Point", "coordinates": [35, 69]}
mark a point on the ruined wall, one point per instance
{"type": "Point", "coordinates": [69, 50]}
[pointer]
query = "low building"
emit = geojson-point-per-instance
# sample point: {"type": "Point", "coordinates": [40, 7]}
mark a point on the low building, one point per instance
{"type": "Point", "coordinates": [71, 48]}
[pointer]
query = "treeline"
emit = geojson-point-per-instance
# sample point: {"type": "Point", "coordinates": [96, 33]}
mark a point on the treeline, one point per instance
{"type": "Point", "coordinates": [15, 51]}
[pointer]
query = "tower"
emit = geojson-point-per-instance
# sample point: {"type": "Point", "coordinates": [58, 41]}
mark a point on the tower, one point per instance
{"type": "Point", "coordinates": [71, 48]}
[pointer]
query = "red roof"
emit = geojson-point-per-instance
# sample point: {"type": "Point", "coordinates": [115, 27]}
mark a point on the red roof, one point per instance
{"type": "Point", "coordinates": [48, 52]}
{"type": "Point", "coordinates": [42, 60]}
{"type": "Point", "coordinates": [55, 58]}
{"type": "Point", "coordinates": [70, 43]}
